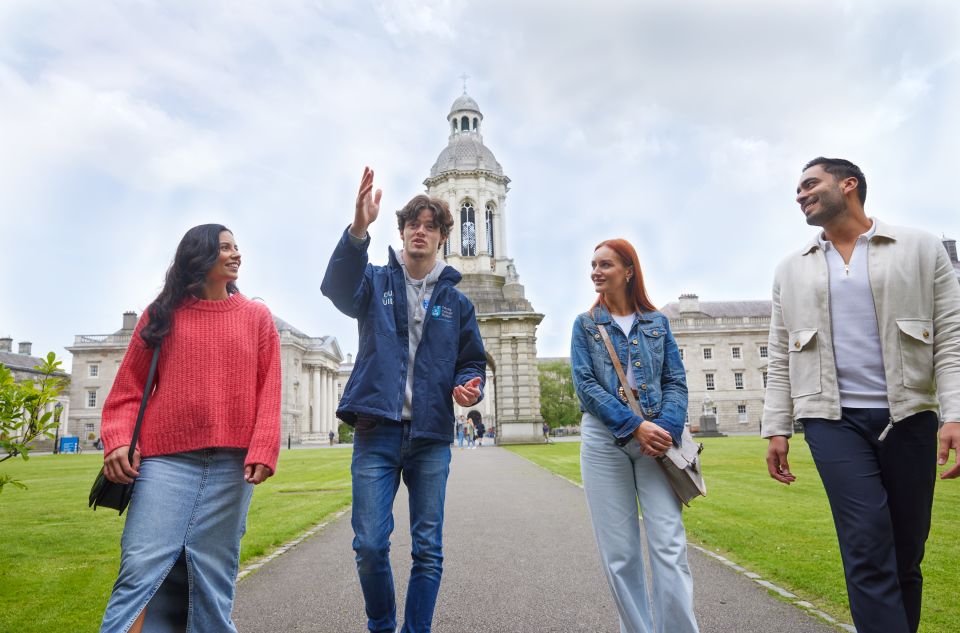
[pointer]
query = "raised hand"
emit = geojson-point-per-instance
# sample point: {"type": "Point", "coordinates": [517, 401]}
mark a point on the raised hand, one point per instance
{"type": "Point", "coordinates": [468, 393]}
{"type": "Point", "coordinates": [368, 205]}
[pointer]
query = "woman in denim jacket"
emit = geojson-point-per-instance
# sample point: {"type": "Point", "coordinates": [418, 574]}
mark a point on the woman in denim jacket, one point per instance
{"type": "Point", "coordinates": [618, 449]}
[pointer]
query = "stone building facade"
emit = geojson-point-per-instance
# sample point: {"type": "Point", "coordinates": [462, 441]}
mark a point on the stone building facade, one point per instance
{"type": "Point", "coordinates": [21, 364]}
{"type": "Point", "coordinates": [468, 177]}
{"type": "Point", "coordinates": [309, 367]}
{"type": "Point", "coordinates": [724, 350]}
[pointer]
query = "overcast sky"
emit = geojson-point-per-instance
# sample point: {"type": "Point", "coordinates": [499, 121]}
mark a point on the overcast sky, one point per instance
{"type": "Point", "coordinates": [681, 126]}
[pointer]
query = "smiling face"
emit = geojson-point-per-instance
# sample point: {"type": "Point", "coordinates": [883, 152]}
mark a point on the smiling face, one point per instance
{"type": "Point", "coordinates": [821, 196]}
{"type": "Point", "coordinates": [609, 273]}
{"type": "Point", "coordinates": [227, 266]}
{"type": "Point", "coordinates": [421, 237]}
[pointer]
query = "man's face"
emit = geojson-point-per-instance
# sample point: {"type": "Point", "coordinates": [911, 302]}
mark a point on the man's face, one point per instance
{"type": "Point", "coordinates": [421, 237]}
{"type": "Point", "coordinates": [820, 196]}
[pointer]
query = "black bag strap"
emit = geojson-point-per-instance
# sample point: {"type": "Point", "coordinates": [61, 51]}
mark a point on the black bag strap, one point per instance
{"type": "Point", "coordinates": [143, 403]}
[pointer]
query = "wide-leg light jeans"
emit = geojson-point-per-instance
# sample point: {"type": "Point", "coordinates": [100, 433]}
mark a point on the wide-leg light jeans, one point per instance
{"type": "Point", "coordinates": [615, 478]}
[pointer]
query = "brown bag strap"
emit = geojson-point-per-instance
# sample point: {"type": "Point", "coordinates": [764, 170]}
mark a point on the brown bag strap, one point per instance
{"type": "Point", "coordinates": [628, 392]}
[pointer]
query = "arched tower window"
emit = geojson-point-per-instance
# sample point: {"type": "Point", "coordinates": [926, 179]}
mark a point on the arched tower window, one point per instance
{"type": "Point", "coordinates": [489, 223]}
{"type": "Point", "coordinates": [474, 124]}
{"type": "Point", "coordinates": [465, 123]}
{"type": "Point", "coordinates": [468, 229]}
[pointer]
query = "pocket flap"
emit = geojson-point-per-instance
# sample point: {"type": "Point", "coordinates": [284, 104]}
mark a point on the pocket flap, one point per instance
{"type": "Point", "coordinates": [799, 339]}
{"type": "Point", "coordinates": [919, 329]}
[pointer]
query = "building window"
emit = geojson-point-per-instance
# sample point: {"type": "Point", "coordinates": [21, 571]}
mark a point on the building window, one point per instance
{"type": "Point", "coordinates": [738, 379]}
{"type": "Point", "coordinates": [468, 230]}
{"type": "Point", "coordinates": [93, 370]}
{"type": "Point", "coordinates": [707, 353]}
{"type": "Point", "coordinates": [88, 430]}
{"type": "Point", "coordinates": [446, 247]}
{"type": "Point", "coordinates": [489, 218]}
{"type": "Point", "coordinates": [91, 398]}
{"type": "Point", "coordinates": [742, 413]}
{"type": "Point", "coordinates": [763, 351]}
{"type": "Point", "coordinates": [764, 380]}
{"type": "Point", "coordinates": [735, 353]}
{"type": "Point", "coordinates": [465, 123]}
{"type": "Point", "coordinates": [682, 357]}
{"type": "Point", "coordinates": [710, 384]}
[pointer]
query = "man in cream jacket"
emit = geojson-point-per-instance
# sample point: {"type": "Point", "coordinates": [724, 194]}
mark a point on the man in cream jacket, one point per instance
{"type": "Point", "coordinates": [864, 341]}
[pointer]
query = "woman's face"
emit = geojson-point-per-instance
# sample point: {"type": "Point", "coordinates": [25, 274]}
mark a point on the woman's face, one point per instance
{"type": "Point", "coordinates": [608, 272]}
{"type": "Point", "coordinates": [227, 266]}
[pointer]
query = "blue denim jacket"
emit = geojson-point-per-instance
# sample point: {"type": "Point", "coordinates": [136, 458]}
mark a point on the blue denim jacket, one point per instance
{"type": "Point", "coordinates": [661, 379]}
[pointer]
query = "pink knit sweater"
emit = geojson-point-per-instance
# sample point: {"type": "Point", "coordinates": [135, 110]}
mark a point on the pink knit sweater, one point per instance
{"type": "Point", "coordinates": [217, 385]}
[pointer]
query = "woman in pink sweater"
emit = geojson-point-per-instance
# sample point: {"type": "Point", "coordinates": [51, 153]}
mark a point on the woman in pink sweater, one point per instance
{"type": "Point", "coordinates": [211, 431]}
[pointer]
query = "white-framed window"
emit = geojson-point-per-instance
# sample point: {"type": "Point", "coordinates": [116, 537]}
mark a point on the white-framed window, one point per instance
{"type": "Point", "coordinates": [491, 250]}
{"type": "Point", "coordinates": [764, 380]}
{"type": "Point", "coordinates": [763, 351]}
{"type": "Point", "coordinates": [93, 370]}
{"type": "Point", "coordinates": [88, 429]}
{"type": "Point", "coordinates": [468, 229]}
{"type": "Point", "coordinates": [711, 385]}
{"type": "Point", "coordinates": [91, 398]}
{"type": "Point", "coordinates": [742, 413]}
{"type": "Point", "coordinates": [707, 353]}
{"type": "Point", "coordinates": [682, 357]}
{"type": "Point", "coordinates": [738, 379]}
{"type": "Point", "coordinates": [735, 352]}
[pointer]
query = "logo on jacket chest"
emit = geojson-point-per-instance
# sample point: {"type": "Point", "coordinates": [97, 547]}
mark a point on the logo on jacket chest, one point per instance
{"type": "Point", "coordinates": [387, 298]}
{"type": "Point", "coordinates": [442, 313]}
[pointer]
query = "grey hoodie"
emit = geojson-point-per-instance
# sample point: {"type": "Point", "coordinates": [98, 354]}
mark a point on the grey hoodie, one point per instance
{"type": "Point", "coordinates": [418, 298]}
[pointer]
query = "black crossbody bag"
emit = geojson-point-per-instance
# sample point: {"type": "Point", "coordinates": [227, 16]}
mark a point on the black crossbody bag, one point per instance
{"type": "Point", "coordinates": [109, 494]}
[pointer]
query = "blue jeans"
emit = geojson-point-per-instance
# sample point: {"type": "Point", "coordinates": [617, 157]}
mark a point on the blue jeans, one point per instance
{"type": "Point", "coordinates": [615, 478]}
{"type": "Point", "coordinates": [381, 456]}
{"type": "Point", "coordinates": [181, 543]}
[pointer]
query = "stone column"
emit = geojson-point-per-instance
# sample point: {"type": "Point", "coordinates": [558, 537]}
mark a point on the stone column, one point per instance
{"type": "Point", "coordinates": [332, 400]}
{"type": "Point", "coordinates": [317, 397]}
{"type": "Point", "coordinates": [325, 401]}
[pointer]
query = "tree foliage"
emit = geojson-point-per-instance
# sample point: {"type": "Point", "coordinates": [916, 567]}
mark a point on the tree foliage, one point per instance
{"type": "Point", "coordinates": [558, 401]}
{"type": "Point", "coordinates": [25, 411]}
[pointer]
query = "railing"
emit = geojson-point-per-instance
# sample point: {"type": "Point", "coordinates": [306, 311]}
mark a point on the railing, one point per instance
{"type": "Point", "coordinates": [726, 323]}
{"type": "Point", "coordinates": [89, 340]}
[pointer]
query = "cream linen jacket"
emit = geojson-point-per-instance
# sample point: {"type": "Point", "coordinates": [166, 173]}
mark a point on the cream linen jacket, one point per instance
{"type": "Point", "coordinates": [917, 299]}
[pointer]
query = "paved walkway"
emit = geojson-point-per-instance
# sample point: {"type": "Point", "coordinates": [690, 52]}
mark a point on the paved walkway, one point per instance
{"type": "Point", "coordinates": [519, 557]}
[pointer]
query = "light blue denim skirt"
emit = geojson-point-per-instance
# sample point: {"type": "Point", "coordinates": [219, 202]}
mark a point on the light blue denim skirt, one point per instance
{"type": "Point", "coordinates": [187, 507]}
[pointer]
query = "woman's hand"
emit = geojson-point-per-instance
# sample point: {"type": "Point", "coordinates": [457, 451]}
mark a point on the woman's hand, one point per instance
{"type": "Point", "coordinates": [117, 467]}
{"type": "Point", "coordinates": [468, 393]}
{"type": "Point", "coordinates": [256, 473]}
{"type": "Point", "coordinates": [653, 440]}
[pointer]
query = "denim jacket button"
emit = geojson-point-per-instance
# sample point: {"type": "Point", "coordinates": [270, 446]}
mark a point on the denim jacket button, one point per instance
{"type": "Point", "coordinates": [643, 387]}
{"type": "Point", "coordinates": [656, 333]}
{"type": "Point", "coordinates": [596, 336]}
{"type": "Point", "coordinates": [636, 364]}
{"type": "Point", "coordinates": [635, 341]}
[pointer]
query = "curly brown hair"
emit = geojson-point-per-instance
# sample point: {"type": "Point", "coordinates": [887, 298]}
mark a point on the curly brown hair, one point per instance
{"type": "Point", "coordinates": [439, 208]}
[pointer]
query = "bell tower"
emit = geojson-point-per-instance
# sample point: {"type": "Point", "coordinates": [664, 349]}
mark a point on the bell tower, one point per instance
{"type": "Point", "coordinates": [468, 177]}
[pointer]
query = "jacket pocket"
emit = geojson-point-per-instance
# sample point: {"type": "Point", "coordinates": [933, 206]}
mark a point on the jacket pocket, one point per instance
{"type": "Point", "coordinates": [804, 360]}
{"type": "Point", "coordinates": [916, 353]}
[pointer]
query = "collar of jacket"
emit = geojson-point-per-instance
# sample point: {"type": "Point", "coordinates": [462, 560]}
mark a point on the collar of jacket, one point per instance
{"type": "Point", "coordinates": [449, 273]}
{"type": "Point", "coordinates": [601, 316]}
{"type": "Point", "coordinates": [884, 231]}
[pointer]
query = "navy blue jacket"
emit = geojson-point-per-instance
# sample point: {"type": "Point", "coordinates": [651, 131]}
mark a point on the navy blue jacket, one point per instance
{"type": "Point", "coordinates": [450, 352]}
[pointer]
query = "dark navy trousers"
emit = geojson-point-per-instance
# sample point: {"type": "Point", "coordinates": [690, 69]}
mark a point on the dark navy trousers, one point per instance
{"type": "Point", "coordinates": [881, 496]}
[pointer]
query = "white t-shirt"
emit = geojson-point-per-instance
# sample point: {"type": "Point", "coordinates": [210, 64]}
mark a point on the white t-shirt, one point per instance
{"type": "Point", "coordinates": [625, 323]}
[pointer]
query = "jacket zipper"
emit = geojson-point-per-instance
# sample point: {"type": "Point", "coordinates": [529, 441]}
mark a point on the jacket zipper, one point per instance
{"type": "Point", "coordinates": [890, 423]}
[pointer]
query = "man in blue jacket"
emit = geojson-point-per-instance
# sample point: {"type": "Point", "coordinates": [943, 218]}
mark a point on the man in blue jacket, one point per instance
{"type": "Point", "coordinates": [419, 346]}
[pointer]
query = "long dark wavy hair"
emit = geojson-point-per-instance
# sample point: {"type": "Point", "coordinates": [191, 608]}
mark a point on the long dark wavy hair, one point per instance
{"type": "Point", "coordinates": [196, 254]}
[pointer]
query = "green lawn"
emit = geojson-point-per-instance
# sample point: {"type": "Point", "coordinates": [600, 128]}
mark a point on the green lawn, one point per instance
{"type": "Point", "coordinates": [786, 533]}
{"type": "Point", "coordinates": [58, 559]}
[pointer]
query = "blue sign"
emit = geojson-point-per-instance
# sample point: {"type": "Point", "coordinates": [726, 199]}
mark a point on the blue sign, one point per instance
{"type": "Point", "coordinates": [69, 444]}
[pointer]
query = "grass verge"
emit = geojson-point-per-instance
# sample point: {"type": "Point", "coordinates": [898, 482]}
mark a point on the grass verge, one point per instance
{"type": "Point", "coordinates": [786, 533]}
{"type": "Point", "coordinates": [58, 559]}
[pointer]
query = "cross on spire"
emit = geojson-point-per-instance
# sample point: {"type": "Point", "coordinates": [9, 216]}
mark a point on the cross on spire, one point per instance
{"type": "Point", "coordinates": [464, 77]}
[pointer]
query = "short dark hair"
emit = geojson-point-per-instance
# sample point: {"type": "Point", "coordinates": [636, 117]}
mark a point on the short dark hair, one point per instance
{"type": "Point", "coordinates": [840, 168]}
{"type": "Point", "coordinates": [439, 208]}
